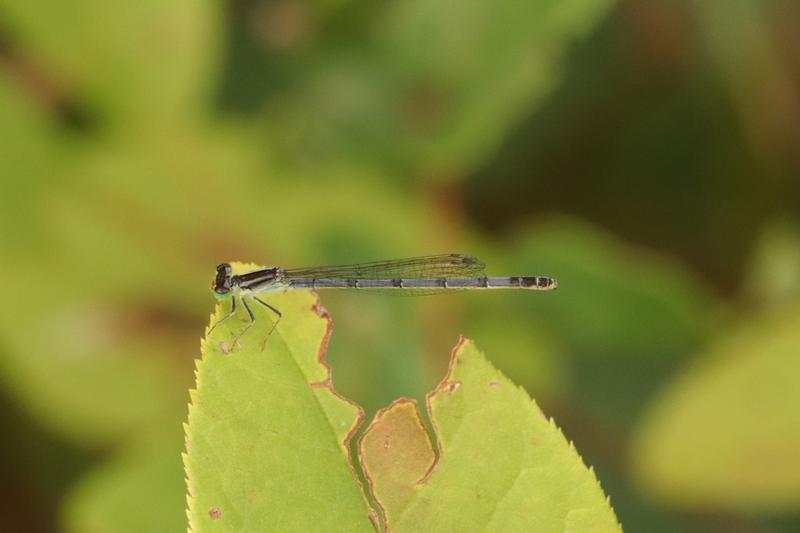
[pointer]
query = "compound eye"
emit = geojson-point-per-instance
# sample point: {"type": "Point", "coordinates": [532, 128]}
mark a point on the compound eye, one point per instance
{"type": "Point", "coordinates": [222, 281]}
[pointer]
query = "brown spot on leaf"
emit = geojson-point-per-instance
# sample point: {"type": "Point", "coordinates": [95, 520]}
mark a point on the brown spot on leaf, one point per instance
{"type": "Point", "coordinates": [494, 385]}
{"type": "Point", "coordinates": [325, 383]}
{"type": "Point", "coordinates": [452, 387]}
{"type": "Point", "coordinates": [215, 513]}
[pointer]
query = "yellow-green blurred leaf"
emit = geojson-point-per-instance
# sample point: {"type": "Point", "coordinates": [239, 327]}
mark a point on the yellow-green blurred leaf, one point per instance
{"type": "Point", "coordinates": [31, 157]}
{"type": "Point", "coordinates": [145, 62]}
{"type": "Point", "coordinates": [774, 277]}
{"type": "Point", "coordinates": [613, 300]}
{"type": "Point", "coordinates": [140, 489]}
{"type": "Point", "coordinates": [726, 433]}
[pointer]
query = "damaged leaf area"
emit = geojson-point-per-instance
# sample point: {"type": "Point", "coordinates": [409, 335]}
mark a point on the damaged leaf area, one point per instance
{"type": "Point", "coordinates": [502, 466]}
{"type": "Point", "coordinates": [268, 444]}
{"type": "Point", "coordinates": [267, 437]}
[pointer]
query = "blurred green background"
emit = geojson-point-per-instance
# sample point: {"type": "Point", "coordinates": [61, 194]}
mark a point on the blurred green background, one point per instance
{"type": "Point", "coordinates": [645, 153]}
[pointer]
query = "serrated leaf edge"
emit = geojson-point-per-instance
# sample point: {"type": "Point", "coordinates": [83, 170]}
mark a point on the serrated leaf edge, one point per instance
{"type": "Point", "coordinates": [327, 383]}
{"type": "Point", "coordinates": [443, 385]}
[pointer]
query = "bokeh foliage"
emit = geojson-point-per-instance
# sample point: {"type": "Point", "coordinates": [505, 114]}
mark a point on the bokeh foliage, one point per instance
{"type": "Point", "coordinates": [644, 153]}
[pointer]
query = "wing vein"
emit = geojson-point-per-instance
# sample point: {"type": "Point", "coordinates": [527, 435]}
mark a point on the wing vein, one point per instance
{"type": "Point", "coordinates": [432, 266]}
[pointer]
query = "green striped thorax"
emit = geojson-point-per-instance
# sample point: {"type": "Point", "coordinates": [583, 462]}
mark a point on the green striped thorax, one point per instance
{"type": "Point", "coordinates": [225, 282]}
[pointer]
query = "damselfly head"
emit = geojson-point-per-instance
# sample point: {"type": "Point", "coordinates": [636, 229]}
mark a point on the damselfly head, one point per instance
{"type": "Point", "coordinates": [221, 284]}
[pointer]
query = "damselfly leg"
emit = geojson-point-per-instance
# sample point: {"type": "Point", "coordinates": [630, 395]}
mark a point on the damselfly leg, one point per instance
{"type": "Point", "coordinates": [274, 324]}
{"type": "Point", "coordinates": [252, 317]}
{"type": "Point", "coordinates": [235, 341]}
{"type": "Point", "coordinates": [226, 317]}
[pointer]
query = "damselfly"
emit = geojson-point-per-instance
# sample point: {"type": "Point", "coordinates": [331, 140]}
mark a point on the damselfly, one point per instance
{"type": "Point", "coordinates": [433, 274]}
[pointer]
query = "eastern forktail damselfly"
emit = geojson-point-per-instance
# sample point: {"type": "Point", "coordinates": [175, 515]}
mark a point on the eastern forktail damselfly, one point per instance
{"type": "Point", "coordinates": [433, 274]}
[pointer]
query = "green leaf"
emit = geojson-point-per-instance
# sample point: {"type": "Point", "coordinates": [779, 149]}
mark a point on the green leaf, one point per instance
{"type": "Point", "coordinates": [471, 73]}
{"type": "Point", "coordinates": [502, 465]}
{"type": "Point", "coordinates": [774, 278]}
{"type": "Point", "coordinates": [67, 366]}
{"type": "Point", "coordinates": [438, 88]}
{"type": "Point", "coordinates": [268, 443]}
{"type": "Point", "coordinates": [725, 434]}
{"type": "Point", "coordinates": [140, 489]}
{"type": "Point", "coordinates": [138, 62]}
{"type": "Point", "coordinates": [605, 286]}
{"type": "Point", "coordinates": [542, 370]}
{"type": "Point", "coordinates": [267, 437]}
{"type": "Point", "coordinates": [620, 319]}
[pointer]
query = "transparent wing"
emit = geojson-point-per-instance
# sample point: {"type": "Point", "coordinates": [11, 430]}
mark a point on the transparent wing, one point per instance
{"type": "Point", "coordinates": [432, 266]}
{"type": "Point", "coordinates": [404, 292]}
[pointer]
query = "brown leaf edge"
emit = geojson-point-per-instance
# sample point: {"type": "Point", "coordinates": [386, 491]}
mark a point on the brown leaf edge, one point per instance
{"type": "Point", "coordinates": [328, 383]}
{"type": "Point", "coordinates": [322, 351]}
{"type": "Point", "coordinates": [445, 385]}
